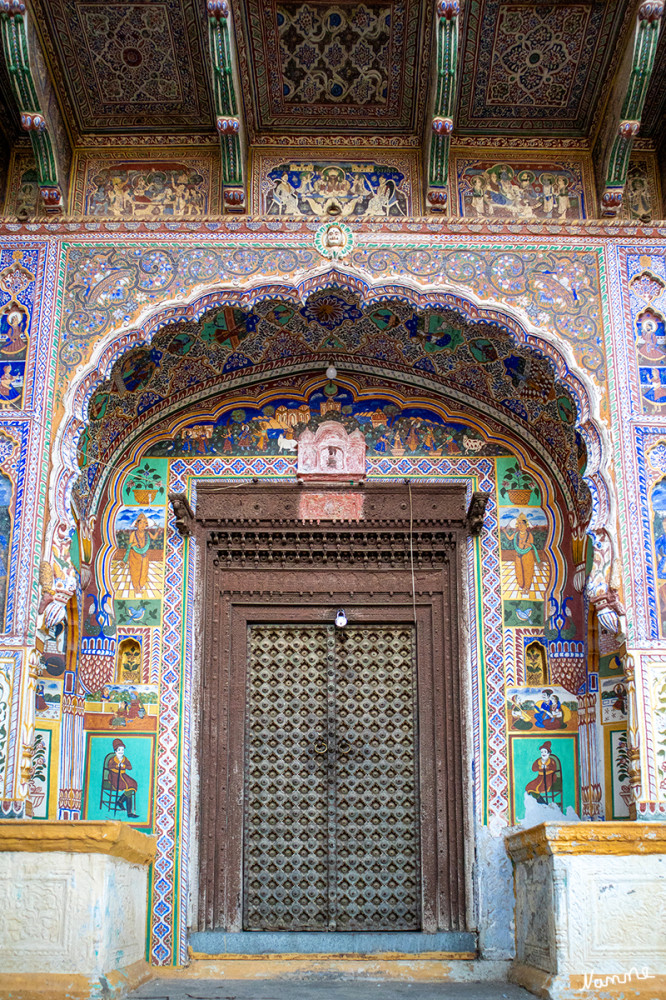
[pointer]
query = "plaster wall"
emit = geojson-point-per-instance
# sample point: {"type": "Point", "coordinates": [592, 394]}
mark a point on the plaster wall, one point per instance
{"type": "Point", "coordinates": [494, 895]}
{"type": "Point", "coordinates": [573, 933]}
{"type": "Point", "coordinates": [104, 899]}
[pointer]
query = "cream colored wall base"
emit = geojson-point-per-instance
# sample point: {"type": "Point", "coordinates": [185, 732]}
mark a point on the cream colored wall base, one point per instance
{"type": "Point", "coordinates": [433, 967]}
{"type": "Point", "coordinates": [590, 904]}
{"type": "Point", "coordinates": [73, 905]}
{"type": "Point", "coordinates": [60, 986]}
{"type": "Point", "coordinates": [610, 986]}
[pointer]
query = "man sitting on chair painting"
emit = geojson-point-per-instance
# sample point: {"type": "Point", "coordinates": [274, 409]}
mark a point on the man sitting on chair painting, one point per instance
{"type": "Point", "coordinates": [121, 783]}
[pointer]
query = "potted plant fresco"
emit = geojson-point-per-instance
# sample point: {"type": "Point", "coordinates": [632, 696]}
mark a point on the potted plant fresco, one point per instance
{"type": "Point", "coordinates": [518, 485]}
{"type": "Point", "coordinates": [145, 483]}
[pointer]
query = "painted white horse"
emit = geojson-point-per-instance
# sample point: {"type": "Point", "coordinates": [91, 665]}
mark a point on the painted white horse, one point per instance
{"type": "Point", "coordinates": [287, 444]}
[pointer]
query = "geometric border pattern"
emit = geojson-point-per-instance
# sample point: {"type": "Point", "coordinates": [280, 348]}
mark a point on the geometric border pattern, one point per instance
{"type": "Point", "coordinates": [168, 921]}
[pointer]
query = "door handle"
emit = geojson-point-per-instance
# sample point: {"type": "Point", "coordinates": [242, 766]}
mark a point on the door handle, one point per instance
{"type": "Point", "coordinates": [320, 746]}
{"type": "Point", "coordinates": [344, 746]}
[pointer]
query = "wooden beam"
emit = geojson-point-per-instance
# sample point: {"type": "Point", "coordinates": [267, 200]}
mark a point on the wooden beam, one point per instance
{"type": "Point", "coordinates": [625, 107]}
{"type": "Point", "coordinates": [228, 122]}
{"type": "Point", "coordinates": [38, 109]}
{"type": "Point", "coordinates": [438, 138]}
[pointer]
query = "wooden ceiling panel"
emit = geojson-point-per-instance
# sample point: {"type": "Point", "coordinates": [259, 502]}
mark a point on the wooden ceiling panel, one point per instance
{"type": "Point", "coordinates": [129, 66]}
{"type": "Point", "coordinates": [318, 67]}
{"type": "Point", "coordinates": [536, 67]}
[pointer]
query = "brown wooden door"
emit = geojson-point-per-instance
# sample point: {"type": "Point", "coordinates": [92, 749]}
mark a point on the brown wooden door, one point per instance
{"type": "Point", "coordinates": [331, 832]}
{"type": "Point", "coordinates": [265, 567]}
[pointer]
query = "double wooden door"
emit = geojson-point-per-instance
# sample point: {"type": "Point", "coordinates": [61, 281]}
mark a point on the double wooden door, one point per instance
{"type": "Point", "coordinates": [331, 826]}
{"type": "Point", "coordinates": [323, 805]}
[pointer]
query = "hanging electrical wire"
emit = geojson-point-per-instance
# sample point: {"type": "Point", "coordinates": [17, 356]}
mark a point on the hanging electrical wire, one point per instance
{"type": "Point", "coordinates": [411, 547]}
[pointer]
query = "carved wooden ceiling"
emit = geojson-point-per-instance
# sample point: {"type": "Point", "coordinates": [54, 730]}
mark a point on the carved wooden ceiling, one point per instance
{"type": "Point", "coordinates": [538, 67]}
{"type": "Point", "coordinates": [322, 67]}
{"type": "Point", "coordinates": [319, 68]}
{"type": "Point", "coordinates": [426, 74]}
{"type": "Point", "coordinates": [129, 66]}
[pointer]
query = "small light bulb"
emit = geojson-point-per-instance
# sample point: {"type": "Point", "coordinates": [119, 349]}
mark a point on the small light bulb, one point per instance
{"type": "Point", "coordinates": [341, 618]}
{"type": "Point", "coordinates": [331, 372]}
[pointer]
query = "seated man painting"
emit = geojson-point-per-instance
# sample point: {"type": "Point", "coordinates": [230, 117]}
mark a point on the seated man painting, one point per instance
{"type": "Point", "coordinates": [117, 765]}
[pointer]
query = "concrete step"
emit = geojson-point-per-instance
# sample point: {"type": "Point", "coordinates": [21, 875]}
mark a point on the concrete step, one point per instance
{"type": "Point", "coordinates": [165, 988]}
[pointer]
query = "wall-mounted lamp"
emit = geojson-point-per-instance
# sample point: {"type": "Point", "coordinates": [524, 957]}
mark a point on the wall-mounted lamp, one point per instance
{"type": "Point", "coordinates": [341, 618]}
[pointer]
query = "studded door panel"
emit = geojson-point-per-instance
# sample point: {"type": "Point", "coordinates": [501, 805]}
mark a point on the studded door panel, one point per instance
{"type": "Point", "coordinates": [377, 884]}
{"type": "Point", "coordinates": [331, 817]}
{"type": "Point", "coordinates": [286, 814]}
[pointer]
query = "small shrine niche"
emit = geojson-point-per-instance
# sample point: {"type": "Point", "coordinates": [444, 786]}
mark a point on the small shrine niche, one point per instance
{"type": "Point", "coordinates": [129, 662]}
{"type": "Point", "coordinates": [331, 454]}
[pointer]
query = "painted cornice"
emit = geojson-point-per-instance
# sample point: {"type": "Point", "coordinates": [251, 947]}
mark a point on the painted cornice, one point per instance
{"type": "Point", "coordinates": [77, 837]}
{"type": "Point", "coordinates": [262, 226]}
{"type": "Point", "coordinates": [554, 839]}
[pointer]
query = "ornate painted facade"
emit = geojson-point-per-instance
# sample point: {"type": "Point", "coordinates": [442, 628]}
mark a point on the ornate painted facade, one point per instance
{"type": "Point", "coordinates": [199, 276]}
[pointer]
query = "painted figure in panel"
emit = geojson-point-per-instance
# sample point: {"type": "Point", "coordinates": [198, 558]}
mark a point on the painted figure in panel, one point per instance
{"type": "Point", "coordinates": [651, 355]}
{"type": "Point", "coordinates": [120, 786]}
{"type": "Point", "coordinates": [323, 190]}
{"type": "Point", "coordinates": [521, 191]}
{"type": "Point", "coordinates": [547, 786]}
{"type": "Point", "coordinates": [146, 191]}
{"type": "Point", "coordinates": [136, 567]}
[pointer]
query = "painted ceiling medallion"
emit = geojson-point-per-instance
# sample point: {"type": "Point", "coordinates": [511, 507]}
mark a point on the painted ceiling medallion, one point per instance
{"type": "Point", "coordinates": [334, 240]}
{"type": "Point", "coordinates": [131, 65]}
{"type": "Point", "coordinates": [323, 67]}
{"type": "Point", "coordinates": [536, 66]}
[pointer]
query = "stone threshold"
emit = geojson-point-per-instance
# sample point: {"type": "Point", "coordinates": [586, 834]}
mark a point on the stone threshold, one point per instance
{"type": "Point", "coordinates": [449, 944]}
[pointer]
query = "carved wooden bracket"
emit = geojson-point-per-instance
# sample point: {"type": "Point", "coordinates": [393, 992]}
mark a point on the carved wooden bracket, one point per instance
{"type": "Point", "coordinates": [476, 513]}
{"type": "Point", "coordinates": [183, 512]}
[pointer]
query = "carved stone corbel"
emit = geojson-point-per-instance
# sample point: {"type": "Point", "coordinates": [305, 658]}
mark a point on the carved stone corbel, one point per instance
{"type": "Point", "coordinates": [183, 513]}
{"type": "Point", "coordinates": [476, 513]}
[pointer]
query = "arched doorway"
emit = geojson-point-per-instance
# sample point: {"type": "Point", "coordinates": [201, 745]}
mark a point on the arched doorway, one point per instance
{"type": "Point", "coordinates": [462, 403]}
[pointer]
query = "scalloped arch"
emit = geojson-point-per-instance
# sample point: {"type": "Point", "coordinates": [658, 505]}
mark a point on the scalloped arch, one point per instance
{"type": "Point", "coordinates": [118, 342]}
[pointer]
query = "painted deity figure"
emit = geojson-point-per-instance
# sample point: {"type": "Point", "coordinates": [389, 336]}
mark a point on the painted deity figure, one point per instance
{"type": "Point", "coordinates": [334, 237]}
{"type": "Point", "coordinates": [536, 666]}
{"type": "Point", "coordinates": [549, 713]}
{"type": "Point", "coordinates": [9, 391]}
{"type": "Point", "coordinates": [13, 339]}
{"type": "Point", "coordinates": [285, 196]}
{"type": "Point", "coordinates": [129, 661]}
{"type": "Point", "coordinates": [478, 195]}
{"type": "Point", "coordinates": [562, 197]}
{"type": "Point", "coordinates": [651, 341]}
{"type": "Point", "coordinates": [126, 787]}
{"type": "Point", "coordinates": [548, 194]}
{"type": "Point", "coordinates": [547, 786]}
{"type": "Point", "coordinates": [620, 703]}
{"type": "Point", "coordinates": [527, 555]}
{"type": "Point", "coordinates": [137, 555]}
{"type": "Point", "coordinates": [379, 203]}
{"type": "Point", "coordinates": [638, 200]}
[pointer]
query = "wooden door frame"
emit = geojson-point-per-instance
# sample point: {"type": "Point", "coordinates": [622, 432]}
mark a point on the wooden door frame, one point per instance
{"type": "Point", "coordinates": [242, 588]}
